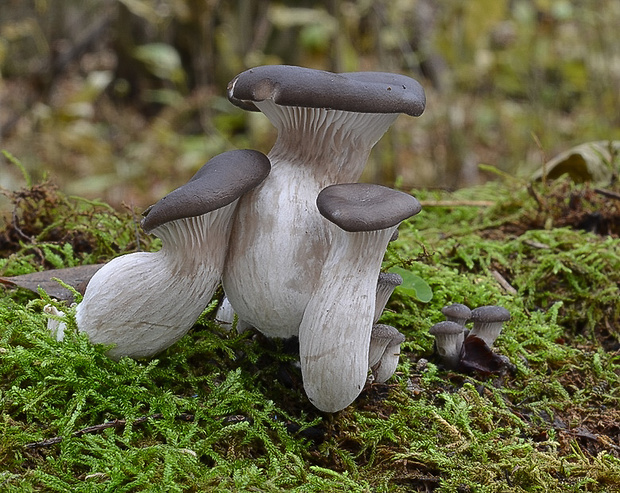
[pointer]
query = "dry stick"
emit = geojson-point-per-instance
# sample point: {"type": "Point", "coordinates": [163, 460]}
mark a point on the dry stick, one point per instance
{"type": "Point", "coordinates": [17, 229]}
{"type": "Point", "coordinates": [457, 203]}
{"type": "Point", "coordinates": [30, 239]}
{"type": "Point", "coordinates": [607, 193]}
{"type": "Point", "coordinates": [117, 423]}
{"type": "Point", "coordinates": [503, 282]}
{"type": "Point", "coordinates": [536, 244]}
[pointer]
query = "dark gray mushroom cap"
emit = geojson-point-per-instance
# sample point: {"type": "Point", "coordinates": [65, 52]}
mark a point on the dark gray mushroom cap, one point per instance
{"type": "Point", "coordinates": [361, 92]}
{"type": "Point", "coordinates": [357, 207]}
{"type": "Point", "coordinates": [387, 333]}
{"type": "Point", "coordinates": [445, 328]}
{"type": "Point", "coordinates": [456, 310]}
{"type": "Point", "coordinates": [219, 182]}
{"type": "Point", "coordinates": [390, 278]}
{"type": "Point", "coordinates": [490, 314]}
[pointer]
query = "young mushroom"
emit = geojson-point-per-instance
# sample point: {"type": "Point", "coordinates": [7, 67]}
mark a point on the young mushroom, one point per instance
{"type": "Point", "coordinates": [488, 322]}
{"type": "Point", "coordinates": [144, 302]}
{"type": "Point", "coordinates": [335, 332]}
{"type": "Point", "coordinates": [225, 318]}
{"type": "Point", "coordinates": [327, 124]}
{"type": "Point", "coordinates": [457, 312]}
{"type": "Point", "coordinates": [384, 352]}
{"type": "Point", "coordinates": [386, 284]}
{"type": "Point", "coordinates": [449, 337]}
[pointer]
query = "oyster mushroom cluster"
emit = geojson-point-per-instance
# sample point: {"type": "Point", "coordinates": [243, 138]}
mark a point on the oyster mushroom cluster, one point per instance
{"type": "Point", "coordinates": [460, 348]}
{"type": "Point", "coordinates": [296, 242]}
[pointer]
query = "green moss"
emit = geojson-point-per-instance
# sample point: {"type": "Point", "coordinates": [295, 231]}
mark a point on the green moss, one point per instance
{"type": "Point", "coordinates": [227, 412]}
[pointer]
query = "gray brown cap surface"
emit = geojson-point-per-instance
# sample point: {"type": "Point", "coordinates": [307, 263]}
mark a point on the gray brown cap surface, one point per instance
{"type": "Point", "coordinates": [445, 328]}
{"type": "Point", "coordinates": [219, 182]}
{"type": "Point", "coordinates": [456, 311]}
{"type": "Point", "coordinates": [489, 314]}
{"type": "Point", "coordinates": [390, 279]}
{"type": "Point", "coordinates": [357, 207]}
{"type": "Point", "coordinates": [387, 333]}
{"type": "Point", "coordinates": [362, 92]}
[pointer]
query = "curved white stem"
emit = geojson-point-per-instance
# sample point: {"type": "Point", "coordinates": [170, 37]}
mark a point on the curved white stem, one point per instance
{"type": "Point", "coordinates": [386, 366]}
{"type": "Point", "coordinates": [334, 335]}
{"type": "Point", "coordinates": [144, 302]}
{"type": "Point", "coordinates": [279, 240]}
{"type": "Point", "coordinates": [386, 284]}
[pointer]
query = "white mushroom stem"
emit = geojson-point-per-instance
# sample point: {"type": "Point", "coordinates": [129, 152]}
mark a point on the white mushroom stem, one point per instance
{"type": "Point", "coordinates": [226, 318]}
{"type": "Point", "coordinates": [334, 143]}
{"type": "Point", "coordinates": [487, 331]}
{"type": "Point", "coordinates": [384, 351]}
{"type": "Point", "coordinates": [386, 284]}
{"type": "Point", "coordinates": [54, 325]}
{"type": "Point", "coordinates": [334, 335]}
{"type": "Point", "coordinates": [144, 302]}
{"type": "Point", "coordinates": [449, 337]}
{"type": "Point", "coordinates": [488, 322]}
{"type": "Point", "coordinates": [279, 242]}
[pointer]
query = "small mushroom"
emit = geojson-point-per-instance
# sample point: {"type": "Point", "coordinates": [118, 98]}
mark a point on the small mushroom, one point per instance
{"type": "Point", "coordinates": [225, 318]}
{"type": "Point", "coordinates": [327, 124]}
{"type": "Point", "coordinates": [488, 322]}
{"type": "Point", "coordinates": [54, 325]}
{"type": "Point", "coordinates": [144, 302]}
{"type": "Point", "coordinates": [334, 335]}
{"type": "Point", "coordinates": [449, 337]}
{"type": "Point", "coordinates": [386, 284]}
{"type": "Point", "coordinates": [384, 352]}
{"type": "Point", "coordinates": [457, 312]}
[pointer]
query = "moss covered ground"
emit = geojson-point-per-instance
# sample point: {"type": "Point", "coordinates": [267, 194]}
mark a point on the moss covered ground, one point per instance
{"type": "Point", "coordinates": [225, 412]}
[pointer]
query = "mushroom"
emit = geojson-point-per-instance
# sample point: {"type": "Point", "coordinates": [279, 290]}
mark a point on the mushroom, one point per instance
{"type": "Point", "coordinates": [488, 322]}
{"type": "Point", "coordinates": [449, 337]}
{"type": "Point", "coordinates": [327, 124]}
{"type": "Point", "coordinates": [334, 335]}
{"type": "Point", "coordinates": [225, 318]}
{"type": "Point", "coordinates": [457, 312]}
{"type": "Point", "coordinates": [385, 343]}
{"type": "Point", "coordinates": [54, 323]}
{"type": "Point", "coordinates": [144, 302]}
{"type": "Point", "coordinates": [386, 284]}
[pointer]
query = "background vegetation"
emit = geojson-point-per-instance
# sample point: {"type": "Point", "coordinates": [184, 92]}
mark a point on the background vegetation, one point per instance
{"type": "Point", "coordinates": [124, 99]}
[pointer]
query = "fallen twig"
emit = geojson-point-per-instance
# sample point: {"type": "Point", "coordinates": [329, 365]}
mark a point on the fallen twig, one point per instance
{"type": "Point", "coordinates": [117, 423]}
{"type": "Point", "coordinates": [536, 244]}
{"type": "Point", "coordinates": [607, 193]}
{"type": "Point", "coordinates": [503, 282]}
{"type": "Point", "coordinates": [457, 203]}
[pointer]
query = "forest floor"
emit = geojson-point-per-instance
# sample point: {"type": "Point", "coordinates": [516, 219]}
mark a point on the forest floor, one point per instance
{"type": "Point", "coordinates": [225, 412]}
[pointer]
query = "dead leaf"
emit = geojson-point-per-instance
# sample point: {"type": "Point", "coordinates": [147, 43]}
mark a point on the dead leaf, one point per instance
{"type": "Point", "coordinates": [585, 162]}
{"type": "Point", "coordinates": [77, 277]}
{"type": "Point", "coordinates": [476, 355]}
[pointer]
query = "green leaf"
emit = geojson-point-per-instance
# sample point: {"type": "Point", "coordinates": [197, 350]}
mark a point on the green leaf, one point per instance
{"type": "Point", "coordinates": [413, 285]}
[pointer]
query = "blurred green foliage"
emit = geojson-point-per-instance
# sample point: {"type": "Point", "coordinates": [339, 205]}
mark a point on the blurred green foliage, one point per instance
{"type": "Point", "coordinates": [125, 99]}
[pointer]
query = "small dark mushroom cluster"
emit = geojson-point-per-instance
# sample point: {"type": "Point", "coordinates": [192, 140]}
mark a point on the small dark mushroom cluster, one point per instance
{"type": "Point", "coordinates": [296, 242]}
{"type": "Point", "coordinates": [462, 349]}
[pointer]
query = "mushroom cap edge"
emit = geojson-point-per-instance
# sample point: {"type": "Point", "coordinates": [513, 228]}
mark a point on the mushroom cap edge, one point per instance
{"type": "Point", "coordinates": [361, 92]}
{"type": "Point", "coordinates": [220, 181]}
{"type": "Point", "coordinates": [357, 207]}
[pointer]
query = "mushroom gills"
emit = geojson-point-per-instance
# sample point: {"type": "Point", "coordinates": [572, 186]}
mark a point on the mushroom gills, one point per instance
{"type": "Point", "coordinates": [142, 303]}
{"type": "Point", "coordinates": [384, 352]}
{"type": "Point", "coordinates": [449, 338]}
{"type": "Point", "coordinates": [335, 333]}
{"type": "Point", "coordinates": [327, 124]}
